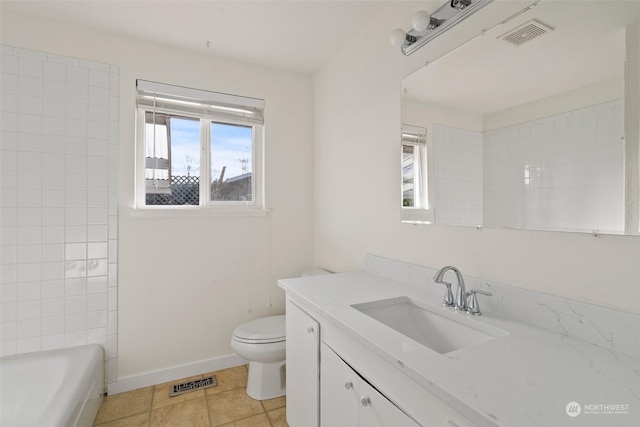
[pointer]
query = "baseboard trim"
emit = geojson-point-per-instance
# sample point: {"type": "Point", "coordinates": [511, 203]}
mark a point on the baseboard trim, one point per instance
{"type": "Point", "coordinates": [174, 373]}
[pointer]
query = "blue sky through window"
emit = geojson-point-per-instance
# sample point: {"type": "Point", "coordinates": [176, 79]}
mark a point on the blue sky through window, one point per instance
{"type": "Point", "coordinates": [230, 147]}
{"type": "Point", "coordinates": [185, 146]}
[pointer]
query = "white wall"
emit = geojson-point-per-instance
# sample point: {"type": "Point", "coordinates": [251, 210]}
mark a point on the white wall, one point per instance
{"type": "Point", "coordinates": [357, 107]}
{"type": "Point", "coordinates": [586, 96]}
{"type": "Point", "coordinates": [418, 113]}
{"type": "Point", "coordinates": [185, 283]}
{"type": "Point", "coordinates": [632, 129]}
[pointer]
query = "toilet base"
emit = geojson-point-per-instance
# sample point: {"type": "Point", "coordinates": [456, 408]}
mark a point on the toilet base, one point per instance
{"type": "Point", "coordinates": [266, 380]}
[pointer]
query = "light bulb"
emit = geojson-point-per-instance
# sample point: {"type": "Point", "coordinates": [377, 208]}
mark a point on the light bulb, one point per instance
{"type": "Point", "coordinates": [397, 37]}
{"type": "Point", "coordinates": [420, 20]}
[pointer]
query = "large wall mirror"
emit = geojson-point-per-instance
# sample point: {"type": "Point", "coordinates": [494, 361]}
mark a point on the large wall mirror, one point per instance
{"type": "Point", "coordinates": [526, 123]}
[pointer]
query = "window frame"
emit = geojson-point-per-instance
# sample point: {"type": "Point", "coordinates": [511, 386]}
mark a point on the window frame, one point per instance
{"type": "Point", "coordinates": [423, 211]}
{"type": "Point", "coordinates": [257, 177]}
{"type": "Point", "coordinates": [206, 206]}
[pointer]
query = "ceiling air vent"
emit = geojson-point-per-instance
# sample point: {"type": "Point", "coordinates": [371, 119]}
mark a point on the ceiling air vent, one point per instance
{"type": "Point", "coordinates": [526, 32]}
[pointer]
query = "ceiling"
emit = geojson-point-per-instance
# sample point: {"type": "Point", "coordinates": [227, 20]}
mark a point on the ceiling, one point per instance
{"type": "Point", "coordinates": [294, 35]}
{"type": "Point", "coordinates": [586, 46]}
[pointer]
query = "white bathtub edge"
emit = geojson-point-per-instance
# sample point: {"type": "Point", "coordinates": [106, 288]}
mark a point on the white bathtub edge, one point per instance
{"type": "Point", "coordinates": [147, 379]}
{"type": "Point", "coordinates": [35, 396]}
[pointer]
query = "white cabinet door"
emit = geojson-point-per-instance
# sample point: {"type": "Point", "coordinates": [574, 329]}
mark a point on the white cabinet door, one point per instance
{"type": "Point", "coordinates": [377, 411]}
{"type": "Point", "coordinates": [347, 400]}
{"type": "Point", "coordinates": [338, 391]}
{"type": "Point", "coordinates": [303, 347]}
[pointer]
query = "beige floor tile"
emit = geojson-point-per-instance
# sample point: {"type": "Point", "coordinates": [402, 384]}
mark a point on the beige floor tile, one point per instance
{"type": "Point", "coordinates": [161, 393]}
{"type": "Point", "coordinates": [228, 379]}
{"type": "Point", "coordinates": [124, 405]}
{"type": "Point", "coordinates": [226, 405]}
{"type": "Point", "coordinates": [232, 406]}
{"type": "Point", "coordinates": [278, 417]}
{"type": "Point", "coordinates": [191, 413]}
{"type": "Point", "coordinates": [278, 402]}
{"type": "Point", "coordinates": [256, 421]}
{"type": "Point", "coordinates": [140, 420]}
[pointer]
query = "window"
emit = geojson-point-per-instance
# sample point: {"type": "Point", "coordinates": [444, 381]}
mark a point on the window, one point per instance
{"type": "Point", "coordinates": [410, 169]}
{"type": "Point", "coordinates": [198, 148]}
{"type": "Point", "coordinates": [415, 194]}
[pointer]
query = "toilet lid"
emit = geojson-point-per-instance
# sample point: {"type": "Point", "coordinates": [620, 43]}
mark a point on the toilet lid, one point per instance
{"type": "Point", "coordinates": [266, 329]}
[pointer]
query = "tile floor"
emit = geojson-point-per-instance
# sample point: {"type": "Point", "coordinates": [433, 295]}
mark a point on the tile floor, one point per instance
{"type": "Point", "coordinates": [226, 405]}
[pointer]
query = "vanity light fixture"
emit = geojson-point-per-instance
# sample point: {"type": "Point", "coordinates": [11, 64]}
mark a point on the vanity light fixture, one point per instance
{"type": "Point", "coordinates": [460, 4]}
{"type": "Point", "coordinates": [426, 27]}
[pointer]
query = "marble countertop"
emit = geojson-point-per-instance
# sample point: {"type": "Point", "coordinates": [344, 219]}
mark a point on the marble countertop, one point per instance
{"type": "Point", "coordinates": [526, 378]}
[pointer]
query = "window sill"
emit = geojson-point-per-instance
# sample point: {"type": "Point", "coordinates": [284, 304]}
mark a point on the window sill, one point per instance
{"type": "Point", "coordinates": [416, 216]}
{"type": "Point", "coordinates": [196, 211]}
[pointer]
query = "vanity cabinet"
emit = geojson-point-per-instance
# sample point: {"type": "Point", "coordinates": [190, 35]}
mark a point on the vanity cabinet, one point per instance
{"type": "Point", "coordinates": [348, 400]}
{"type": "Point", "coordinates": [303, 372]}
{"type": "Point", "coordinates": [333, 381]}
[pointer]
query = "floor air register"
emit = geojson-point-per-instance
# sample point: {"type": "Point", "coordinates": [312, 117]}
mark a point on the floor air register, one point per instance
{"type": "Point", "coordinates": [194, 385]}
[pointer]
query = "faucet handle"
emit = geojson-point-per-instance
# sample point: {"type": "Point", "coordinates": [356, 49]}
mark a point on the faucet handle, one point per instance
{"type": "Point", "coordinates": [472, 301]}
{"type": "Point", "coordinates": [448, 295]}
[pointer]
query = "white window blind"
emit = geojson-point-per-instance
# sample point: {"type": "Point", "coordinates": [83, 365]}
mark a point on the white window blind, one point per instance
{"type": "Point", "coordinates": [413, 135]}
{"type": "Point", "coordinates": [225, 107]}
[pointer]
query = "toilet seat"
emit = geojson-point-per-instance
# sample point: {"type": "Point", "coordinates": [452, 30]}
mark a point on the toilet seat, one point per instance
{"type": "Point", "coordinates": [265, 330]}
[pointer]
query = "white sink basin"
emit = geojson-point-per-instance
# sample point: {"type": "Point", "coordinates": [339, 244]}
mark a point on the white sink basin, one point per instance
{"type": "Point", "coordinates": [440, 330]}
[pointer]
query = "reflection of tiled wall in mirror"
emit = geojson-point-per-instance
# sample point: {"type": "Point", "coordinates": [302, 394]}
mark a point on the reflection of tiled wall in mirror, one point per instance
{"type": "Point", "coordinates": [563, 172]}
{"type": "Point", "coordinates": [458, 176]}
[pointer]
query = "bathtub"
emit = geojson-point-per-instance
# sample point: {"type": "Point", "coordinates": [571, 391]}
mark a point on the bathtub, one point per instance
{"type": "Point", "coordinates": [56, 388]}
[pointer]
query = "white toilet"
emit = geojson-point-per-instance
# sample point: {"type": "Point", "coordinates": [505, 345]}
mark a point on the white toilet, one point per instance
{"type": "Point", "coordinates": [263, 343]}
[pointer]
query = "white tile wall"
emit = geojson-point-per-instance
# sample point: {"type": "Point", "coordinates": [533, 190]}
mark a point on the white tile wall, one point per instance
{"type": "Point", "coordinates": [59, 147]}
{"type": "Point", "coordinates": [563, 172]}
{"type": "Point", "coordinates": [458, 175]}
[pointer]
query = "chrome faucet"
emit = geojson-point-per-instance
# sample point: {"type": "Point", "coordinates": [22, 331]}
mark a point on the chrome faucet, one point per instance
{"type": "Point", "coordinates": [460, 302]}
{"type": "Point", "coordinates": [465, 301]}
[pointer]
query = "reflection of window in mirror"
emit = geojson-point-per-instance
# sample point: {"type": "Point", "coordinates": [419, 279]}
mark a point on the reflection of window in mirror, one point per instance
{"type": "Point", "coordinates": [410, 165]}
{"type": "Point", "coordinates": [415, 182]}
